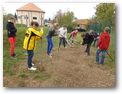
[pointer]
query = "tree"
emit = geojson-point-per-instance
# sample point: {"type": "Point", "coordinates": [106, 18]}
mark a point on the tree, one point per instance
{"type": "Point", "coordinates": [65, 18]}
{"type": "Point", "coordinates": [5, 18]}
{"type": "Point", "coordinates": [105, 14]}
{"type": "Point", "coordinates": [15, 15]}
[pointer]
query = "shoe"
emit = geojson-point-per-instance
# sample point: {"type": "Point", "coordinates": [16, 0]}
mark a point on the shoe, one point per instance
{"type": "Point", "coordinates": [32, 64]}
{"type": "Point", "coordinates": [65, 47]}
{"type": "Point", "coordinates": [32, 68]}
{"type": "Point", "coordinates": [50, 55]}
{"type": "Point", "coordinates": [13, 56]}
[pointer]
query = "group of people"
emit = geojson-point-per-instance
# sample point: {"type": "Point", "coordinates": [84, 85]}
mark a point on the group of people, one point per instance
{"type": "Point", "coordinates": [32, 35]}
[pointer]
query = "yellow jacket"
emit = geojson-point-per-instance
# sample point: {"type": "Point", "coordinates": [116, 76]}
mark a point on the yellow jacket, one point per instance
{"type": "Point", "coordinates": [31, 36]}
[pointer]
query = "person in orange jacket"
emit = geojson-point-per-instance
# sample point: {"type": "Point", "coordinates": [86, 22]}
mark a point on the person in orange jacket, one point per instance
{"type": "Point", "coordinates": [103, 45]}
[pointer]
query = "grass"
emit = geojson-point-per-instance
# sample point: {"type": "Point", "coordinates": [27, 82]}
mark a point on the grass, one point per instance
{"type": "Point", "coordinates": [17, 68]}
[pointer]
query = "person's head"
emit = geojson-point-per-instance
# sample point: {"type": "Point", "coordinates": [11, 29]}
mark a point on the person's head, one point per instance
{"type": "Point", "coordinates": [56, 25]}
{"type": "Point", "coordinates": [64, 26]}
{"type": "Point", "coordinates": [34, 24]}
{"type": "Point", "coordinates": [91, 32]}
{"type": "Point", "coordinates": [107, 29]}
{"type": "Point", "coordinates": [10, 19]}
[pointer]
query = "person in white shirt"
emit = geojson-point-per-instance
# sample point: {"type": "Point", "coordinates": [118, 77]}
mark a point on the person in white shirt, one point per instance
{"type": "Point", "coordinates": [62, 35]}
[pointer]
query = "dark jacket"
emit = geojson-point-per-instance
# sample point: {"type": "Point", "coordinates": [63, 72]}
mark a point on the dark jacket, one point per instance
{"type": "Point", "coordinates": [11, 29]}
{"type": "Point", "coordinates": [88, 39]}
{"type": "Point", "coordinates": [51, 33]}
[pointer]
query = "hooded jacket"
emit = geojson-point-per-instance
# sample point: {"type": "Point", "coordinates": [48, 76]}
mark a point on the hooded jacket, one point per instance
{"type": "Point", "coordinates": [104, 41]}
{"type": "Point", "coordinates": [31, 36]}
{"type": "Point", "coordinates": [11, 29]}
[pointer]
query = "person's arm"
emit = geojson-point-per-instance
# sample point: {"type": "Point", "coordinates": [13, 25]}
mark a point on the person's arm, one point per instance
{"type": "Point", "coordinates": [38, 33]}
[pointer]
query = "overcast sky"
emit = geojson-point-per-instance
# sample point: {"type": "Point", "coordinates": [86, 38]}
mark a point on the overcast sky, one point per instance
{"type": "Point", "coordinates": [81, 10]}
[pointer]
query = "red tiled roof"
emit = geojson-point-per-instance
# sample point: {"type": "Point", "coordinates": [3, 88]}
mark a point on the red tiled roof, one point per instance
{"type": "Point", "coordinates": [30, 7]}
{"type": "Point", "coordinates": [82, 21]}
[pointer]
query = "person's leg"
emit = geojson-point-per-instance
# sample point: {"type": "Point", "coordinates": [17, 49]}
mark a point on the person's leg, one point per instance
{"type": "Point", "coordinates": [88, 49]}
{"type": "Point", "coordinates": [103, 57]}
{"type": "Point", "coordinates": [30, 57]}
{"type": "Point", "coordinates": [12, 43]}
{"type": "Point", "coordinates": [97, 55]}
{"type": "Point", "coordinates": [51, 46]}
{"type": "Point", "coordinates": [60, 41]}
{"type": "Point", "coordinates": [48, 46]}
{"type": "Point", "coordinates": [94, 42]}
{"type": "Point", "coordinates": [64, 42]}
{"type": "Point", "coordinates": [72, 40]}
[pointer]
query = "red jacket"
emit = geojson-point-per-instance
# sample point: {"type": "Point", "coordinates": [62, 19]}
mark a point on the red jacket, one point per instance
{"type": "Point", "coordinates": [104, 41]}
{"type": "Point", "coordinates": [74, 33]}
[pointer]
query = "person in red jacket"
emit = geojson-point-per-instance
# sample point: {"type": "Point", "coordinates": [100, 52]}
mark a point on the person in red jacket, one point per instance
{"type": "Point", "coordinates": [73, 36]}
{"type": "Point", "coordinates": [103, 45]}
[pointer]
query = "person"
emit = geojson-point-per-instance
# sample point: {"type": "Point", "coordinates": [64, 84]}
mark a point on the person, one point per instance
{"type": "Point", "coordinates": [103, 45]}
{"type": "Point", "coordinates": [62, 33]}
{"type": "Point", "coordinates": [11, 30]}
{"type": "Point", "coordinates": [73, 35]}
{"type": "Point", "coordinates": [31, 36]}
{"type": "Point", "coordinates": [52, 31]}
{"type": "Point", "coordinates": [88, 39]}
{"type": "Point", "coordinates": [96, 38]}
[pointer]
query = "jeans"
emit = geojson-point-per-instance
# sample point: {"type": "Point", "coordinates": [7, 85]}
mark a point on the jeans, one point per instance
{"type": "Point", "coordinates": [12, 41]}
{"type": "Point", "coordinates": [50, 45]}
{"type": "Point", "coordinates": [62, 40]}
{"type": "Point", "coordinates": [103, 56]}
{"type": "Point", "coordinates": [30, 57]}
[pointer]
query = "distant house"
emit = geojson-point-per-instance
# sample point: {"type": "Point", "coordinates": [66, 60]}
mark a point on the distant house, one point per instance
{"type": "Point", "coordinates": [28, 13]}
{"type": "Point", "coordinates": [82, 22]}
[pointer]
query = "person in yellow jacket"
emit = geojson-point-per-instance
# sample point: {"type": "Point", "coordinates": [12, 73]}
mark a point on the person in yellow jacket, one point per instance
{"type": "Point", "coordinates": [31, 36]}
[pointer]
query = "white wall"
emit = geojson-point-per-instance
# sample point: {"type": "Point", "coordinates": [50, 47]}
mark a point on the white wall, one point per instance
{"type": "Point", "coordinates": [25, 17]}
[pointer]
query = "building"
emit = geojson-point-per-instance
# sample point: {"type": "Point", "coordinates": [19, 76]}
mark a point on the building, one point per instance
{"type": "Point", "coordinates": [82, 22]}
{"type": "Point", "coordinates": [28, 13]}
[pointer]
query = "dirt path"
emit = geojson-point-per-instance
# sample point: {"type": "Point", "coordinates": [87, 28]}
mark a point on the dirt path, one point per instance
{"type": "Point", "coordinates": [69, 67]}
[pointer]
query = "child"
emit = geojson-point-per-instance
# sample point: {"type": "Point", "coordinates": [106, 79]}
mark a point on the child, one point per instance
{"type": "Point", "coordinates": [51, 32]}
{"type": "Point", "coordinates": [73, 35]}
{"type": "Point", "coordinates": [31, 36]}
{"type": "Point", "coordinates": [63, 35]}
{"type": "Point", "coordinates": [11, 35]}
{"type": "Point", "coordinates": [88, 39]}
{"type": "Point", "coordinates": [103, 45]}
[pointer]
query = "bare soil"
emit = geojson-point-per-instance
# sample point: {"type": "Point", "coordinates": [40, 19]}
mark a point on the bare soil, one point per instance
{"type": "Point", "coordinates": [69, 67]}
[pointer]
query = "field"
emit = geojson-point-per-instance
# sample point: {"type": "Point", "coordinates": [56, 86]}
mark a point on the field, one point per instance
{"type": "Point", "coordinates": [69, 67]}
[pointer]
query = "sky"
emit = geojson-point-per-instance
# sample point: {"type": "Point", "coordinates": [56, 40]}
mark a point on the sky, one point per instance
{"type": "Point", "coordinates": [81, 10]}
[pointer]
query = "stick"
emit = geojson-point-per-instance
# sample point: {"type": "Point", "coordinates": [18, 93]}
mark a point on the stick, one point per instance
{"type": "Point", "coordinates": [40, 62]}
{"type": "Point", "coordinates": [109, 56]}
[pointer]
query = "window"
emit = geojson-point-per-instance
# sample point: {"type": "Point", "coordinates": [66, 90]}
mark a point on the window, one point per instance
{"type": "Point", "coordinates": [34, 18]}
{"type": "Point", "coordinates": [25, 17]}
